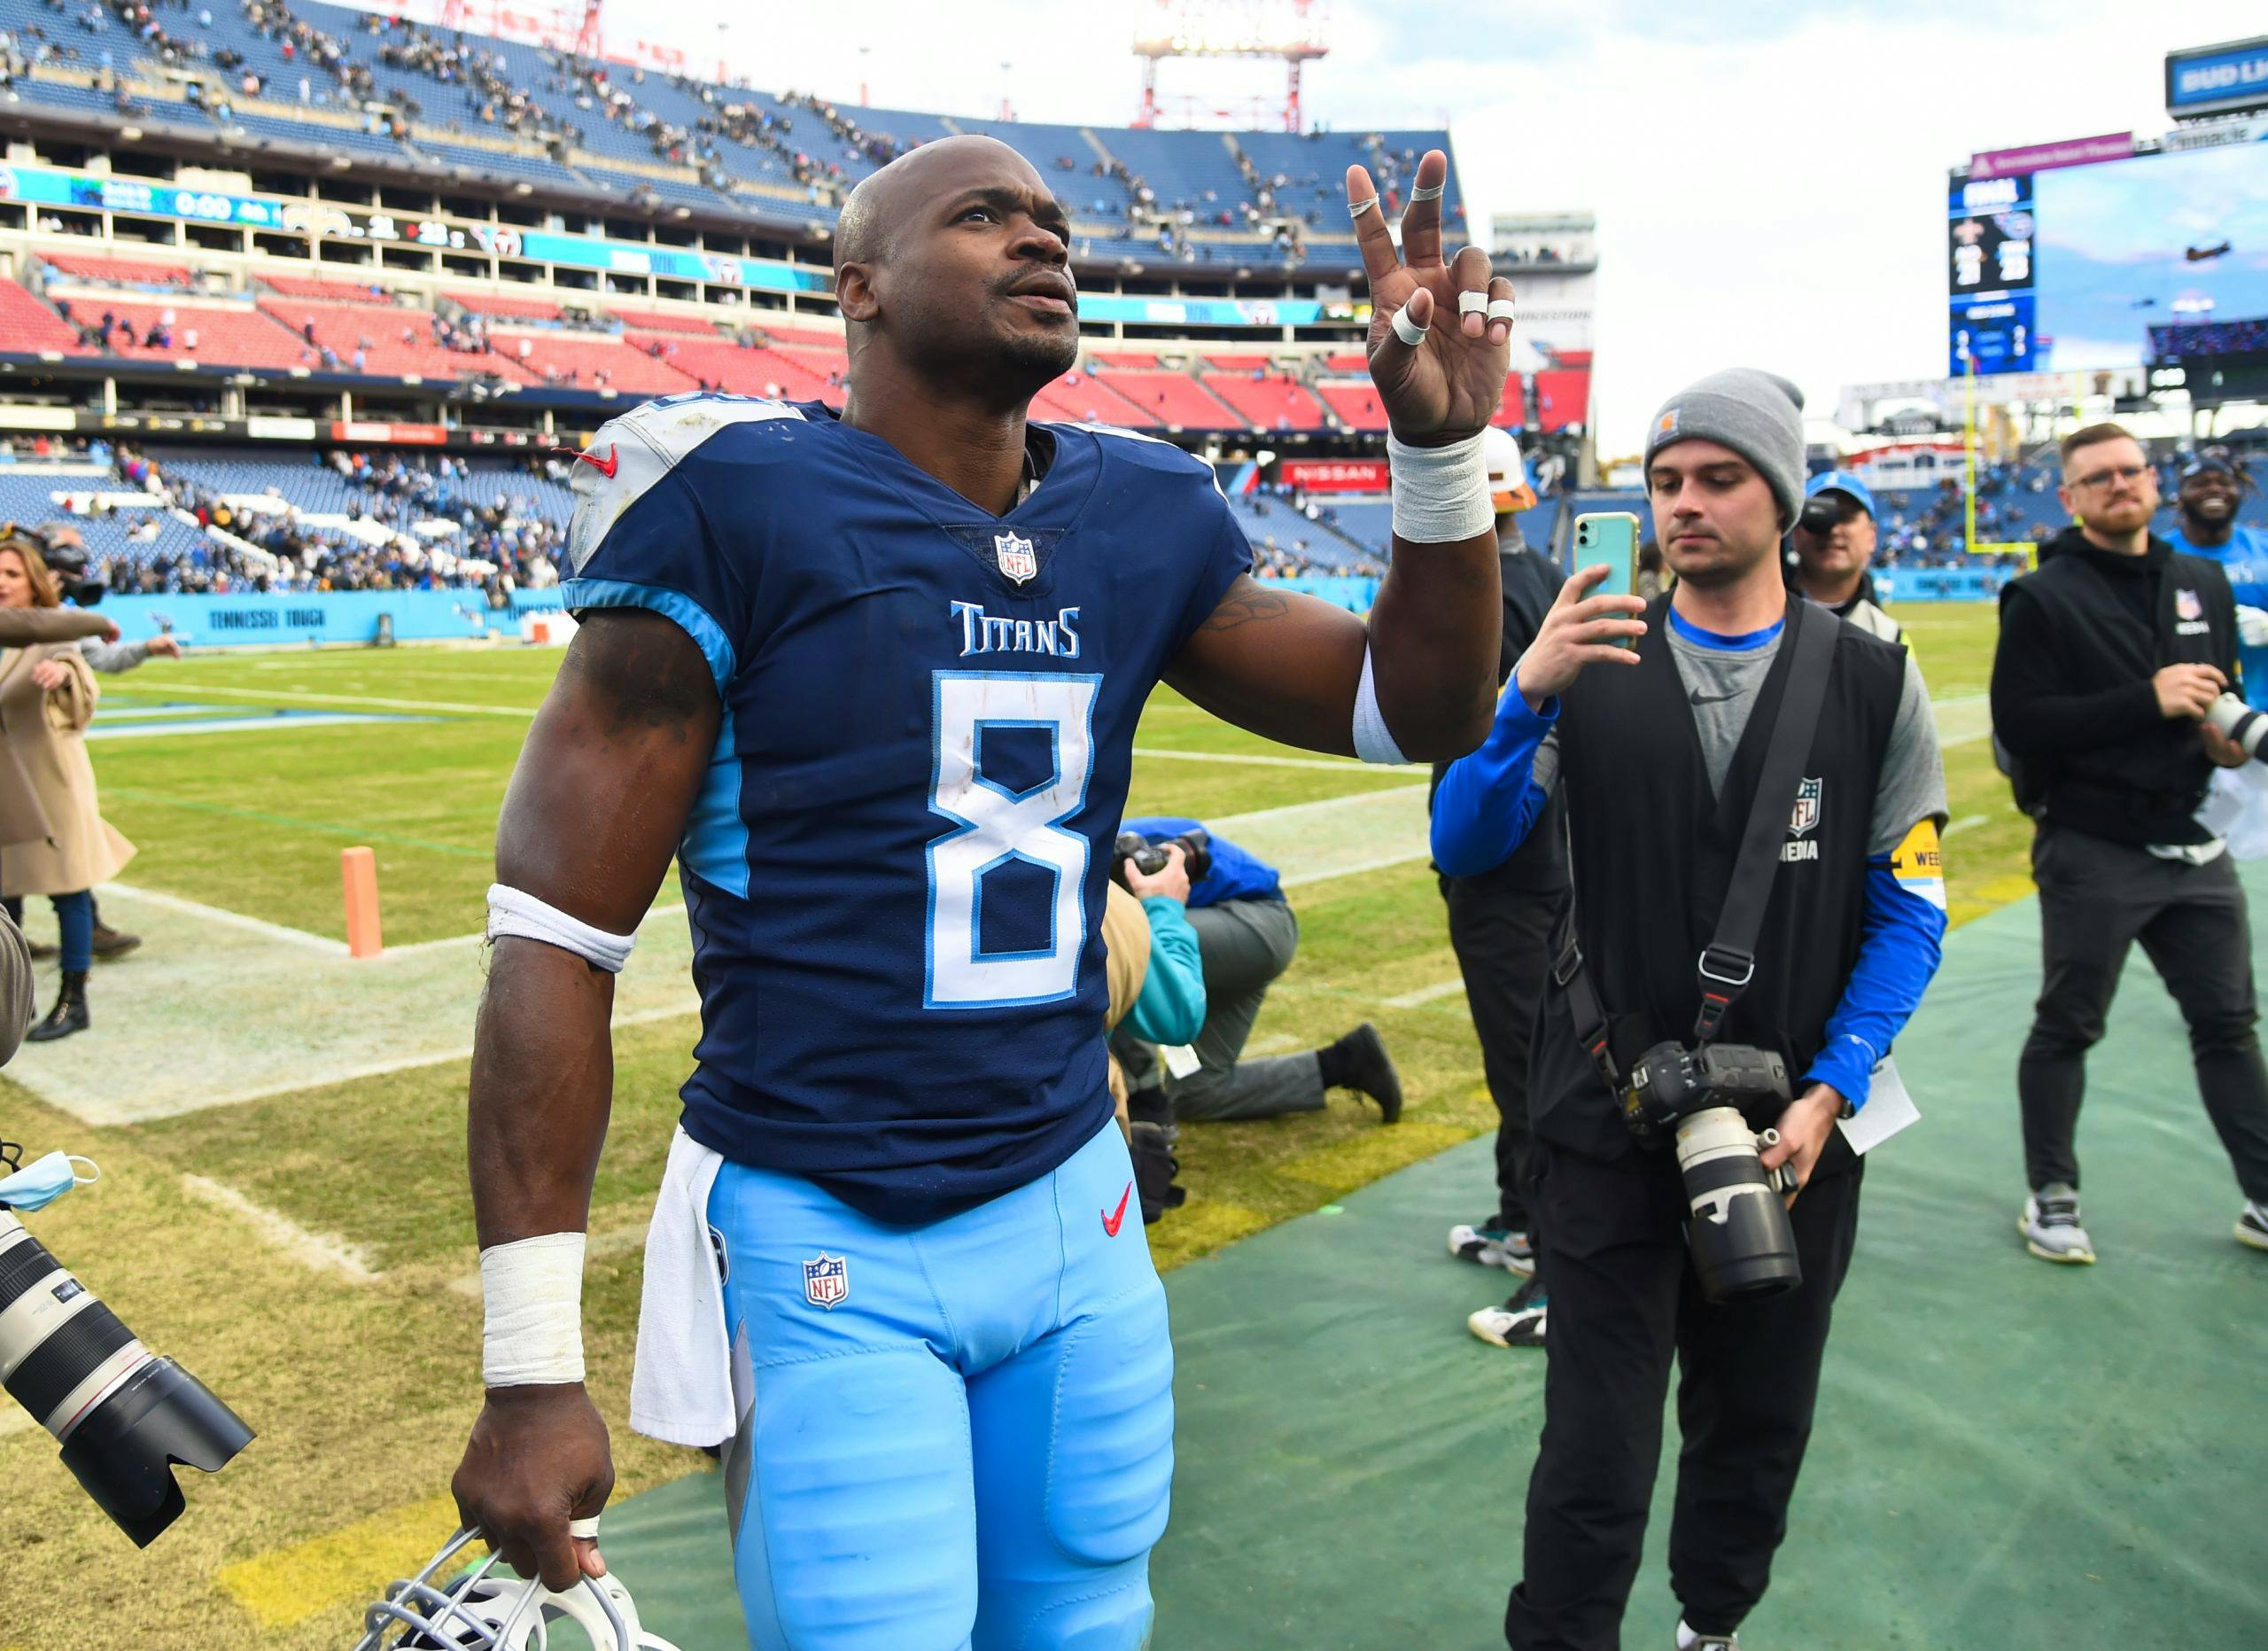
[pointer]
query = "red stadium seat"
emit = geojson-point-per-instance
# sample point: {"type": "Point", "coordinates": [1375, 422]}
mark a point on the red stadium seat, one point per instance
{"type": "Point", "coordinates": [662, 321]}
{"type": "Point", "coordinates": [376, 329]}
{"type": "Point", "coordinates": [1512, 413]}
{"type": "Point", "coordinates": [595, 363]}
{"type": "Point", "coordinates": [28, 326]}
{"type": "Point", "coordinates": [1173, 398]}
{"type": "Point", "coordinates": [333, 292]}
{"type": "Point", "coordinates": [1356, 403]}
{"type": "Point", "coordinates": [225, 336]}
{"type": "Point", "coordinates": [490, 303]}
{"type": "Point", "coordinates": [1275, 402]}
{"type": "Point", "coordinates": [1231, 361]}
{"type": "Point", "coordinates": [1111, 360]}
{"type": "Point", "coordinates": [87, 267]}
{"type": "Point", "coordinates": [1562, 397]}
{"type": "Point", "coordinates": [1347, 361]}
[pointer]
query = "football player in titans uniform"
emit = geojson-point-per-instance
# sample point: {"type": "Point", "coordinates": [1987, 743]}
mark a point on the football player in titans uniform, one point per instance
{"type": "Point", "coordinates": [872, 676]}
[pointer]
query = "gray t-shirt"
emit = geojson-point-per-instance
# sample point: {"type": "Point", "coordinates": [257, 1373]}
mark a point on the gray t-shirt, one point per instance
{"type": "Point", "coordinates": [1723, 684]}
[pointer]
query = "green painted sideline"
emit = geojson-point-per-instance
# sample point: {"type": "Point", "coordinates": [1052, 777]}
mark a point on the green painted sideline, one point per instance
{"type": "Point", "coordinates": [2009, 1454]}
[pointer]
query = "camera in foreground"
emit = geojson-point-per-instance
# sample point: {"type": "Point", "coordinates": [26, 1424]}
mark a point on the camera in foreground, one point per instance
{"type": "Point", "coordinates": [2248, 729]}
{"type": "Point", "coordinates": [1743, 1246]}
{"type": "Point", "coordinates": [124, 1416]}
{"type": "Point", "coordinates": [1150, 858]}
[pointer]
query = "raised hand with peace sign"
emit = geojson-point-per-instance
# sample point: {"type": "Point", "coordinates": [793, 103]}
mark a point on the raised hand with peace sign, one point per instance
{"type": "Point", "coordinates": [1440, 333]}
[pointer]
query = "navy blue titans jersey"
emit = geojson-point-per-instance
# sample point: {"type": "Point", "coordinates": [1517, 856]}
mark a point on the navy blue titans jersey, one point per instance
{"type": "Point", "coordinates": [895, 871]}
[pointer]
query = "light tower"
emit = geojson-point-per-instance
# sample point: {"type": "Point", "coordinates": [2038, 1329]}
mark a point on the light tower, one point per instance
{"type": "Point", "coordinates": [1292, 31]}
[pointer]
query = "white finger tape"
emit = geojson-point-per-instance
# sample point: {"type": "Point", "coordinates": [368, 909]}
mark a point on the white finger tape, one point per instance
{"type": "Point", "coordinates": [1471, 303]}
{"type": "Point", "coordinates": [1361, 206]}
{"type": "Point", "coordinates": [586, 1528]}
{"type": "Point", "coordinates": [1408, 330]}
{"type": "Point", "coordinates": [1502, 309]}
{"type": "Point", "coordinates": [1423, 193]}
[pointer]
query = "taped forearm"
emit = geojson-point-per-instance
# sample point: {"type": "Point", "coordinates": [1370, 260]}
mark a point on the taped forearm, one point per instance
{"type": "Point", "coordinates": [1488, 800]}
{"type": "Point", "coordinates": [1170, 1008]}
{"type": "Point", "coordinates": [1900, 946]}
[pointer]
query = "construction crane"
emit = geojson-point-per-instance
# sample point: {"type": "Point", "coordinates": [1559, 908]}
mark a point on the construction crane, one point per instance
{"type": "Point", "coordinates": [1293, 32]}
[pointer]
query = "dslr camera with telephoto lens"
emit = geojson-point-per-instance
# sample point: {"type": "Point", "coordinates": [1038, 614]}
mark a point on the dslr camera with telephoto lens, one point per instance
{"type": "Point", "coordinates": [1744, 1247]}
{"type": "Point", "coordinates": [1150, 858]}
{"type": "Point", "coordinates": [124, 1416]}
{"type": "Point", "coordinates": [2248, 729]}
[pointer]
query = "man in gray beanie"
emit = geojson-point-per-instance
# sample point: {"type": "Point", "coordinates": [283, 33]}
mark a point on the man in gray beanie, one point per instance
{"type": "Point", "coordinates": [1640, 710]}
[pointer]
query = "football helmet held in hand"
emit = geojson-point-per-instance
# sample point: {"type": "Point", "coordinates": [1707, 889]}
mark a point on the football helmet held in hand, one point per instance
{"type": "Point", "coordinates": [491, 1609]}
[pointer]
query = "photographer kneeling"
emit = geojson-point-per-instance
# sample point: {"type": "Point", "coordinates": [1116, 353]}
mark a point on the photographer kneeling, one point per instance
{"type": "Point", "coordinates": [1756, 786]}
{"type": "Point", "coordinates": [1247, 936]}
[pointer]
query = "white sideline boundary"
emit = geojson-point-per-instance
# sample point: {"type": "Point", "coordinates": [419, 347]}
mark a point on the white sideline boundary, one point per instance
{"type": "Point", "coordinates": [318, 1252]}
{"type": "Point", "coordinates": [203, 913]}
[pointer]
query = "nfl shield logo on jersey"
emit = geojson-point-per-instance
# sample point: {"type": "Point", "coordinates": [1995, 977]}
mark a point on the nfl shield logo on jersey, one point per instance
{"type": "Point", "coordinates": [1017, 560]}
{"type": "Point", "coordinates": [1807, 810]}
{"type": "Point", "coordinates": [2186, 605]}
{"type": "Point", "coordinates": [826, 1281]}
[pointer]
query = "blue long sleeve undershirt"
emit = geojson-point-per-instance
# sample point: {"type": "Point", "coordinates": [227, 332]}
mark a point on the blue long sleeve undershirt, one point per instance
{"type": "Point", "coordinates": [1488, 801]}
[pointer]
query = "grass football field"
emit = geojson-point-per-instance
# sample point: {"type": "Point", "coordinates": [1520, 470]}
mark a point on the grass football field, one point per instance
{"type": "Point", "coordinates": [283, 1202]}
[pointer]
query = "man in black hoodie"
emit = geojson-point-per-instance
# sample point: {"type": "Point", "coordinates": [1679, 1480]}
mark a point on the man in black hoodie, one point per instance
{"type": "Point", "coordinates": [2109, 657]}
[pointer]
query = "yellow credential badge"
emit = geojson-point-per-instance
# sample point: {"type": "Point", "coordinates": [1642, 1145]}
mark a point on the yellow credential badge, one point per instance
{"type": "Point", "coordinates": [1919, 865]}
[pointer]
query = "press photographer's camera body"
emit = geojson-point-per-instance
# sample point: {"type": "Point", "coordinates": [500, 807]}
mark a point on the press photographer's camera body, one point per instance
{"type": "Point", "coordinates": [1695, 1098]}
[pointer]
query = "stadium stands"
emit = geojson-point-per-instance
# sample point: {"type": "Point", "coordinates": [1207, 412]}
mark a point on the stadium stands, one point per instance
{"type": "Point", "coordinates": [224, 335]}
{"type": "Point", "coordinates": [28, 326]}
{"type": "Point", "coordinates": [1173, 398]}
{"type": "Point", "coordinates": [125, 271]}
{"type": "Point", "coordinates": [1270, 402]}
{"type": "Point", "coordinates": [492, 304]}
{"type": "Point", "coordinates": [393, 342]}
{"type": "Point", "coordinates": [597, 361]}
{"type": "Point", "coordinates": [1355, 402]}
{"type": "Point", "coordinates": [662, 320]}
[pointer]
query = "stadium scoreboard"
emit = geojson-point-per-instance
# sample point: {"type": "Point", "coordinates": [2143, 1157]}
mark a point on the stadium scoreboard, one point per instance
{"type": "Point", "coordinates": [2104, 253]}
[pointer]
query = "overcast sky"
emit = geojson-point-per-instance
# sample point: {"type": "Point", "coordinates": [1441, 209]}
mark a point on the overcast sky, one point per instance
{"type": "Point", "coordinates": [1768, 175]}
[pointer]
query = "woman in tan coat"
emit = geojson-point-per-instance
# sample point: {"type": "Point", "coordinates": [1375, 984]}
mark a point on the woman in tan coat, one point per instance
{"type": "Point", "coordinates": [47, 698]}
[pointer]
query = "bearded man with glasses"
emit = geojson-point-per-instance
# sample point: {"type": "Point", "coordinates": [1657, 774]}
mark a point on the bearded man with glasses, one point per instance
{"type": "Point", "coordinates": [2109, 657]}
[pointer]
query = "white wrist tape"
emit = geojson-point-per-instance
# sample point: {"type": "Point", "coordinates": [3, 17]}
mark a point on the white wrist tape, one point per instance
{"type": "Point", "coordinates": [532, 1294]}
{"type": "Point", "coordinates": [514, 911]}
{"type": "Point", "coordinates": [1374, 742]}
{"type": "Point", "coordinates": [1441, 495]}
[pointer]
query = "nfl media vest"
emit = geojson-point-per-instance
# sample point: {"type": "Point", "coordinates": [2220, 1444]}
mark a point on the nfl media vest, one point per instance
{"type": "Point", "coordinates": [1653, 854]}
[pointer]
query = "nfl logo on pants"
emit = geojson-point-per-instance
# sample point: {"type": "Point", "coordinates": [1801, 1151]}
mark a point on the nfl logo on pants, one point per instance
{"type": "Point", "coordinates": [826, 1281]}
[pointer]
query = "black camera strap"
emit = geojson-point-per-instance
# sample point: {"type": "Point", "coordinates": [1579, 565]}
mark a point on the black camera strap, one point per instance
{"type": "Point", "coordinates": [1728, 963]}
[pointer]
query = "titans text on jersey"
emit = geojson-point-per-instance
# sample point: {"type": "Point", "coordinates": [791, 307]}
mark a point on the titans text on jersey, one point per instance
{"type": "Point", "coordinates": [894, 874]}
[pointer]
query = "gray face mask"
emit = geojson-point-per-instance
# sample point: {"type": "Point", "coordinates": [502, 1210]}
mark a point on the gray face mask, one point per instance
{"type": "Point", "coordinates": [44, 1180]}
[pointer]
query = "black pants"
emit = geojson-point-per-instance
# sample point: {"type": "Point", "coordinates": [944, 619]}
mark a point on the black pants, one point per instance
{"type": "Point", "coordinates": [2096, 900]}
{"type": "Point", "coordinates": [1502, 939]}
{"type": "Point", "coordinates": [1624, 1299]}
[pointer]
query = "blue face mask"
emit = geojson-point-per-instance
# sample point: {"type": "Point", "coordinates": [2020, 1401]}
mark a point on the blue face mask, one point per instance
{"type": "Point", "coordinates": [44, 1180]}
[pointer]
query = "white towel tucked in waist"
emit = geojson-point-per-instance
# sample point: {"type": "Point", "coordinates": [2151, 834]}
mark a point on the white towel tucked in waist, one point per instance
{"type": "Point", "coordinates": [681, 1386]}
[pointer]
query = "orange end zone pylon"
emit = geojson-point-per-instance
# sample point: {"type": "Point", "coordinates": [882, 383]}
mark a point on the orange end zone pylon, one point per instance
{"type": "Point", "coordinates": [357, 869]}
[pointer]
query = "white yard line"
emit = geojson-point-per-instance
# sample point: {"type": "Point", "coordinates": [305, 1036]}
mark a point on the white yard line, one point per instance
{"type": "Point", "coordinates": [444, 944]}
{"type": "Point", "coordinates": [1357, 869]}
{"type": "Point", "coordinates": [1229, 825]}
{"type": "Point", "coordinates": [1968, 823]}
{"type": "Point", "coordinates": [319, 1252]}
{"type": "Point", "coordinates": [235, 920]}
{"type": "Point", "coordinates": [1426, 994]}
{"type": "Point", "coordinates": [367, 699]}
{"type": "Point", "coordinates": [1336, 764]}
{"type": "Point", "coordinates": [380, 1069]}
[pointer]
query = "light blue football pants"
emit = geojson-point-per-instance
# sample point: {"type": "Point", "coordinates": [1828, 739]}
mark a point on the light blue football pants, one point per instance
{"type": "Point", "coordinates": [957, 1436]}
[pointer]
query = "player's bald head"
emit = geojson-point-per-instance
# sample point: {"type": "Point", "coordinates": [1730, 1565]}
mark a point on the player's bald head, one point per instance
{"type": "Point", "coordinates": [892, 197]}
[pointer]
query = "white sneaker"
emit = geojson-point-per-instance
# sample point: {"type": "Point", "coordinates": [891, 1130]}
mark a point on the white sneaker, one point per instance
{"type": "Point", "coordinates": [2252, 1226]}
{"type": "Point", "coordinates": [1519, 1322]}
{"type": "Point", "coordinates": [2051, 1229]}
{"type": "Point", "coordinates": [1688, 1640]}
{"type": "Point", "coordinates": [1492, 1247]}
